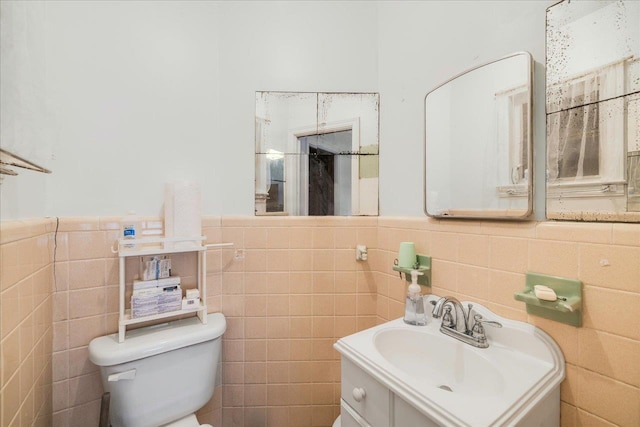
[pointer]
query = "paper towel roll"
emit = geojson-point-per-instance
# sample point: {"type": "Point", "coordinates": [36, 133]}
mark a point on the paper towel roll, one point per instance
{"type": "Point", "coordinates": [182, 212]}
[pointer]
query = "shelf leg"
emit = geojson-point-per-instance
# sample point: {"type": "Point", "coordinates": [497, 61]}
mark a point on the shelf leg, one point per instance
{"type": "Point", "coordinates": [202, 285]}
{"type": "Point", "coordinates": [121, 327]}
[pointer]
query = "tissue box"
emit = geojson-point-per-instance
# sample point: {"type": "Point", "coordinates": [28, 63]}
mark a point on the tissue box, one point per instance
{"type": "Point", "coordinates": [150, 301]}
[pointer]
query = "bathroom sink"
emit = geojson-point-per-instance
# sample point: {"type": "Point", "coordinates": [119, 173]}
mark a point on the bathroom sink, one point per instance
{"type": "Point", "coordinates": [445, 363]}
{"type": "Point", "coordinates": [454, 383]}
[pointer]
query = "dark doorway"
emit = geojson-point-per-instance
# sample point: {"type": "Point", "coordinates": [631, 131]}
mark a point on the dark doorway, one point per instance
{"type": "Point", "coordinates": [321, 170]}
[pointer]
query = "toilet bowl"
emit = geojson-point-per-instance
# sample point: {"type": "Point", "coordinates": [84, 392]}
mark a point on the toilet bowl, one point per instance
{"type": "Point", "coordinates": [162, 374]}
{"type": "Point", "coordinates": [188, 421]}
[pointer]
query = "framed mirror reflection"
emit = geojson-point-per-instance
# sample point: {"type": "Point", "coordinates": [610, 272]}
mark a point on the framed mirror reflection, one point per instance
{"type": "Point", "coordinates": [478, 151]}
{"type": "Point", "coordinates": [593, 110]}
{"type": "Point", "coordinates": [316, 153]}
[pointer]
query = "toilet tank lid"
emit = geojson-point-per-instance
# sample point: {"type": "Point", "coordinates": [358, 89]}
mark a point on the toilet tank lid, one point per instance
{"type": "Point", "coordinates": [152, 340]}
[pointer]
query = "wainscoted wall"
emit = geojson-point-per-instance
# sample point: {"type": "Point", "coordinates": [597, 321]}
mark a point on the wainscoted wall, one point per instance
{"type": "Point", "coordinates": [26, 276]}
{"type": "Point", "coordinates": [299, 289]}
{"type": "Point", "coordinates": [296, 292]}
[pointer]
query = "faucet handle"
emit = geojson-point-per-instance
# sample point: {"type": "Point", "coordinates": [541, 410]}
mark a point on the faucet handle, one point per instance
{"type": "Point", "coordinates": [478, 329]}
{"type": "Point", "coordinates": [480, 321]}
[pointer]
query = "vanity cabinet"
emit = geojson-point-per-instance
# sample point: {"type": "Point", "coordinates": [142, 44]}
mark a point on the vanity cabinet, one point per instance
{"type": "Point", "coordinates": [399, 375]}
{"type": "Point", "coordinates": [367, 403]}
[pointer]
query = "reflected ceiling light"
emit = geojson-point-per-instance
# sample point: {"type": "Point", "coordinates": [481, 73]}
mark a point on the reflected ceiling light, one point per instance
{"type": "Point", "coordinates": [274, 154]}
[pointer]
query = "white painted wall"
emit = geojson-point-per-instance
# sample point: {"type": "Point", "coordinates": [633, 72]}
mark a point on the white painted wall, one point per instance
{"type": "Point", "coordinates": [285, 46]}
{"type": "Point", "coordinates": [23, 107]}
{"type": "Point", "coordinates": [132, 94]}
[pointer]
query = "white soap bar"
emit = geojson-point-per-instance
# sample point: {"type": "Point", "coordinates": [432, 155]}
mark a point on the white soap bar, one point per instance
{"type": "Point", "coordinates": [545, 293]}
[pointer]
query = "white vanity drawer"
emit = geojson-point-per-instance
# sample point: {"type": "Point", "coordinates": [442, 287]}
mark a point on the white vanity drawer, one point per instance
{"type": "Point", "coordinates": [366, 396]}
{"type": "Point", "coordinates": [349, 417]}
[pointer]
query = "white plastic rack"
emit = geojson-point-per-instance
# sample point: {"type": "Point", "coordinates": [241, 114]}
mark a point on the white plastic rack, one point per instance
{"type": "Point", "coordinates": [163, 246]}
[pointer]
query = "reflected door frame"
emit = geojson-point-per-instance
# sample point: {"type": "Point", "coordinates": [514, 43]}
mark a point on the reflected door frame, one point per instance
{"type": "Point", "coordinates": [296, 200]}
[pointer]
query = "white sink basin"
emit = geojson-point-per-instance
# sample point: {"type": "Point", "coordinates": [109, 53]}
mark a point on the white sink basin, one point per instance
{"type": "Point", "coordinates": [445, 363]}
{"type": "Point", "coordinates": [454, 383]}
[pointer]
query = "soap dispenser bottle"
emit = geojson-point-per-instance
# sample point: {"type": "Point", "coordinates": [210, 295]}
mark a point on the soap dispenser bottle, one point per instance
{"type": "Point", "coordinates": [414, 313]}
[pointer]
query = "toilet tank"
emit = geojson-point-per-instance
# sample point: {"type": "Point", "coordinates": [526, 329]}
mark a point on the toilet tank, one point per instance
{"type": "Point", "coordinates": [160, 373]}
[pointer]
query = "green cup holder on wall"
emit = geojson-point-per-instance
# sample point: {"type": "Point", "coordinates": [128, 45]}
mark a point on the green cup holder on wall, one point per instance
{"type": "Point", "coordinates": [424, 266]}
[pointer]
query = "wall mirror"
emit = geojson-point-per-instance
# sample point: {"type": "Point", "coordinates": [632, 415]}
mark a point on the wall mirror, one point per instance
{"type": "Point", "coordinates": [478, 142]}
{"type": "Point", "coordinates": [593, 110]}
{"type": "Point", "coordinates": [316, 153]}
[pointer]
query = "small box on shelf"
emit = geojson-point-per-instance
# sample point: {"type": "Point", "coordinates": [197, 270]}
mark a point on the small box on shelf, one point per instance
{"type": "Point", "coordinates": [159, 283]}
{"type": "Point", "coordinates": [190, 303]}
{"type": "Point", "coordinates": [153, 267]}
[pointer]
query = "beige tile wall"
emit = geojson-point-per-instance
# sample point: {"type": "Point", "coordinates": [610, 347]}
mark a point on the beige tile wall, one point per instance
{"type": "Point", "coordinates": [299, 288]}
{"type": "Point", "coordinates": [26, 333]}
{"type": "Point", "coordinates": [297, 291]}
{"type": "Point", "coordinates": [85, 307]}
{"type": "Point", "coordinates": [486, 262]}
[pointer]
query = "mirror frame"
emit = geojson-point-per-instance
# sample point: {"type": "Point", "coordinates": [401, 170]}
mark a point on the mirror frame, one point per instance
{"type": "Point", "coordinates": [489, 214]}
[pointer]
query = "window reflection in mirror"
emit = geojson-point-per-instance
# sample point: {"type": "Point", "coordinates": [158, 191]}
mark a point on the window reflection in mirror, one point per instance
{"type": "Point", "coordinates": [316, 153]}
{"type": "Point", "coordinates": [593, 85]}
{"type": "Point", "coordinates": [478, 142]}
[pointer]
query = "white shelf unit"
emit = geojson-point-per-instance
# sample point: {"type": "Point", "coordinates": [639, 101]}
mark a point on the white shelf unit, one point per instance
{"type": "Point", "coordinates": [163, 246]}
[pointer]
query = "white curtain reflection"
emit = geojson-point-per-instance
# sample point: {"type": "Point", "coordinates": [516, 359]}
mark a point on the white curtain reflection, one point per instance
{"type": "Point", "coordinates": [575, 133]}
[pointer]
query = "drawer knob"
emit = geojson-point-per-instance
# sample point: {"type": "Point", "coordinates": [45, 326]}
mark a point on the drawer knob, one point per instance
{"type": "Point", "coordinates": [359, 394]}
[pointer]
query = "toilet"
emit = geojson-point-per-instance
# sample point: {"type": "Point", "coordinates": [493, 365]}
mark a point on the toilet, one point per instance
{"type": "Point", "coordinates": [337, 423]}
{"type": "Point", "coordinates": [162, 374]}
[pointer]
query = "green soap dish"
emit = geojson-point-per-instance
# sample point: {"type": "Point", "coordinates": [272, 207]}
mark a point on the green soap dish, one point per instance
{"type": "Point", "coordinates": [424, 266]}
{"type": "Point", "coordinates": [566, 309]}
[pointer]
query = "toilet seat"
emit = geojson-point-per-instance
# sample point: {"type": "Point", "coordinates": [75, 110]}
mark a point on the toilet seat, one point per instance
{"type": "Point", "coordinates": [337, 422]}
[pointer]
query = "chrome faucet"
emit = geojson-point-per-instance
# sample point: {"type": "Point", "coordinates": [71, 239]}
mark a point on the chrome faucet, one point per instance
{"type": "Point", "coordinates": [447, 318]}
{"type": "Point", "coordinates": [465, 326]}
